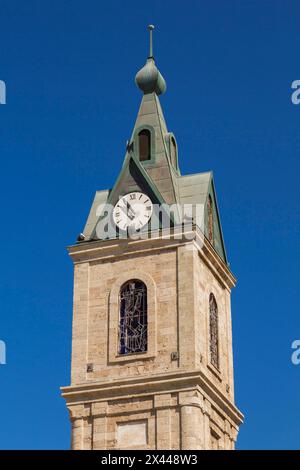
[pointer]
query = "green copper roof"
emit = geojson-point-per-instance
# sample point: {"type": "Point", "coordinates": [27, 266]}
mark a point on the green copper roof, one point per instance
{"type": "Point", "coordinates": [159, 176]}
{"type": "Point", "coordinates": [195, 189]}
{"type": "Point", "coordinates": [149, 79]}
{"type": "Point", "coordinates": [159, 167]}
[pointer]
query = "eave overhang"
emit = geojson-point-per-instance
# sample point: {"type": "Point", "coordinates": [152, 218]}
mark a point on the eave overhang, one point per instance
{"type": "Point", "coordinates": [157, 240]}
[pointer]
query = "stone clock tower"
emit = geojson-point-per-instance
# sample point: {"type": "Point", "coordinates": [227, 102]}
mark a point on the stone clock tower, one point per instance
{"type": "Point", "coordinates": [152, 364]}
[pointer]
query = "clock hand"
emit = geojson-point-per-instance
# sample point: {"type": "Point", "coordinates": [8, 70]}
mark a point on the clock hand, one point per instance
{"type": "Point", "coordinates": [130, 208]}
{"type": "Point", "coordinates": [123, 209]}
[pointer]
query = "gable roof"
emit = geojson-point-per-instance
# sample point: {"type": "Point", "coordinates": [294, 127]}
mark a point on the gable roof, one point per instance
{"type": "Point", "coordinates": [195, 189]}
{"type": "Point", "coordinates": [192, 189]}
{"type": "Point", "coordinates": [100, 199]}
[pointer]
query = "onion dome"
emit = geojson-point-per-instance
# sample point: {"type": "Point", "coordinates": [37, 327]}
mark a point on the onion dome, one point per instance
{"type": "Point", "coordinates": [149, 79]}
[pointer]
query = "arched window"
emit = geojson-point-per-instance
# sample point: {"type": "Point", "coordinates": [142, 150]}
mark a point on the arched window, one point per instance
{"type": "Point", "coordinates": [213, 331]}
{"type": "Point", "coordinates": [145, 145]}
{"type": "Point", "coordinates": [133, 317]}
{"type": "Point", "coordinates": [210, 219]}
{"type": "Point", "coordinates": [173, 152]}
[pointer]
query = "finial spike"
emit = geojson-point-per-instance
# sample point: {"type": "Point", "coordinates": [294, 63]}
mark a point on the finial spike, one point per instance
{"type": "Point", "coordinates": [151, 28]}
{"type": "Point", "coordinates": [149, 78]}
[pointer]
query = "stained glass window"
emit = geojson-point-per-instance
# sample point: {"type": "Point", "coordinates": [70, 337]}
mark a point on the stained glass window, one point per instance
{"type": "Point", "coordinates": [133, 317]}
{"type": "Point", "coordinates": [213, 328]}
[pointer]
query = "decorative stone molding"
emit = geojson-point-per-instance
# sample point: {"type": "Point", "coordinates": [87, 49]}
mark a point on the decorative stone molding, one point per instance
{"type": "Point", "coordinates": [79, 411]}
{"type": "Point", "coordinates": [114, 312]}
{"type": "Point", "coordinates": [206, 407]}
{"type": "Point", "coordinates": [191, 398]}
{"type": "Point", "coordinates": [110, 249]}
{"type": "Point", "coordinates": [81, 426]}
{"type": "Point", "coordinates": [99, 408]}
{"type": "Point", "coordinates": [167, 382]}
{"type": "Point", "coordinates": [192, 420]}
{"type": "Point", "coordinates": [163, 400]}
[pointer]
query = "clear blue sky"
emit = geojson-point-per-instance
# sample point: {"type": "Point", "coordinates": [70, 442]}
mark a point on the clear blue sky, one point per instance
{"type": "Point", "coordinates": [69, 68]}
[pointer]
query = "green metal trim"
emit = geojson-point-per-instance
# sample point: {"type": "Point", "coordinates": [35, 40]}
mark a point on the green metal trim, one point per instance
{"type": "Point", "coordinates": [171, 136]}
{"type": "Point", "coordinates": [160, 118]}
{"type": "Point", "coordinates": [212, 192]}
{"type": "Point", "coordinates": [152, 188]}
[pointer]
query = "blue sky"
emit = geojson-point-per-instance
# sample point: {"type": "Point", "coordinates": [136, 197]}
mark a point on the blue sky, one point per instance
{"type": "Point", "coordinates": [69, 68]}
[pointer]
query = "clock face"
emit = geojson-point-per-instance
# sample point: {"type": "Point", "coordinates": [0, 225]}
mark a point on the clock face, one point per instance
{"type": "Point", "coordinates": [133, 211]}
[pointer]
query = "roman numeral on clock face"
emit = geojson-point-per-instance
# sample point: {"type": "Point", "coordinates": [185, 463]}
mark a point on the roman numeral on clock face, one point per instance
{"type": "Point", "coordinates": [133, 210]}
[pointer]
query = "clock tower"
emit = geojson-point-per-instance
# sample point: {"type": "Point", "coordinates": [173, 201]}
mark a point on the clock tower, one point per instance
{"type": "Point", "coordinates": [152, 364]}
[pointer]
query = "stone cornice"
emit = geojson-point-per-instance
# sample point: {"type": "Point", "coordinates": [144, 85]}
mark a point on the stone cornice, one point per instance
{"type": "Point", "coordinates": [159, 383]}
{"type": "Point", "coordinates": [212, 259]}
{"type": "Point", "coordinates": [106, 250]}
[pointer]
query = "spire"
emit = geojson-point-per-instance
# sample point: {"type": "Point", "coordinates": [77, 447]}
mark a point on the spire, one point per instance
{"type": "Point", "coordinates": [151, 28]}
{"type": "Point", "coordinates": [149, 78]}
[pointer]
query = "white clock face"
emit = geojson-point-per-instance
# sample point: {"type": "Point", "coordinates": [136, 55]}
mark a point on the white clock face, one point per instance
{"type": "Point", "coordinates": [133, 211]}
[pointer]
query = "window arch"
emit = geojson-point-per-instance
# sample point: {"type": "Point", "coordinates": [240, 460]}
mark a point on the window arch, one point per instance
{"type": "Point", "coordinates": [144, 145]}
{"type": "Point", "coordinates": [133, 317]}
{"type": "Point", "coordinates": [173, 152]}
{"type": "Point", "coordinates": [213, 331]}
{"type": "Point", "coordinates": [210, 219]}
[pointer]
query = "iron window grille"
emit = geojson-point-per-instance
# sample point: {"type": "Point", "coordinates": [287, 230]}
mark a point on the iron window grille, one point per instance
{"type": "Point", "coordinates": [213, 327]}
{"type": "Point", "coordinates": [133, 317]}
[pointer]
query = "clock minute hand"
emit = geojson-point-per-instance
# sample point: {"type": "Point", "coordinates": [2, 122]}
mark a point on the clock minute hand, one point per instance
{"type": "Point", "coordinates": [123, 209]}
{"type": "Point", "coordinates": [130, 208]}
